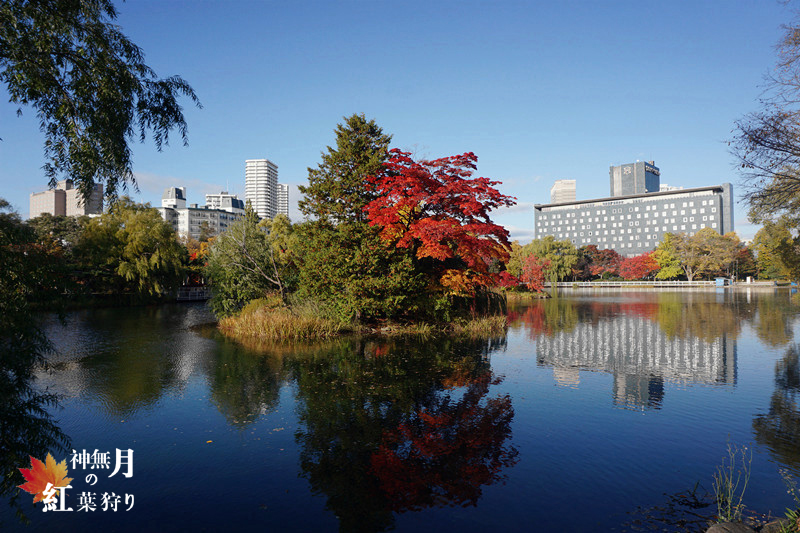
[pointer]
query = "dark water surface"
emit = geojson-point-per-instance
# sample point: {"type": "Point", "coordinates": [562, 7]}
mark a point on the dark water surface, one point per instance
{"type": "Point", "coordinates": [591, 414]}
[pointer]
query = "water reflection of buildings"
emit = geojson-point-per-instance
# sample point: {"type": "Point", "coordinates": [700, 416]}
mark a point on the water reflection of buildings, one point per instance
{"type": "Point", "coordinates": [639, 355]}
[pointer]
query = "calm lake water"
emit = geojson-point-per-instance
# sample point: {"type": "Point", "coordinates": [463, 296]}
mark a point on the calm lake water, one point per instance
{"type": "Point", "coordinates": [596, 412]}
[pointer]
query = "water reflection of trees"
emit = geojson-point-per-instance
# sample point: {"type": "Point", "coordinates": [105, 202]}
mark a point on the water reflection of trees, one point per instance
{"type": "Point", "coordinates": [370, 410]}
{"type": "Point", "coordinates": [546, 317]}
{"type": "Point", "coordinates": [446, 453]}
{"type": "Point", "coordinates": [706, 316]}
{"type": "Point", "coordinates": [695, 316]}
{"type": "Point", "coordinates": [244, 384]}
{"type": "Point", "coordinates": [773, 321]}
{"type": "Point", "coordinates": [779, 428]}
{"type": "Point", "coordinates": [136, 370]}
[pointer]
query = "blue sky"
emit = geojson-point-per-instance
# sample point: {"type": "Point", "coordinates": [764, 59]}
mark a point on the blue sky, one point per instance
{"type": "Point", "coordinates": [539, 91]}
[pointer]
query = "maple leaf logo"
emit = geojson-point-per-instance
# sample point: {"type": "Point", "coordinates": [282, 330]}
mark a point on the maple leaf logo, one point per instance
{"type": "Point", "coordinates": [40, 474]}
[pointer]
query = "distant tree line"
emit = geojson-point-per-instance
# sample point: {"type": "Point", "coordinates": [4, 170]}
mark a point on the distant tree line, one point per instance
{"type": "Point", "coordinates": [704, 255]}
{"type": "Point", "coordinates": [128, 250]}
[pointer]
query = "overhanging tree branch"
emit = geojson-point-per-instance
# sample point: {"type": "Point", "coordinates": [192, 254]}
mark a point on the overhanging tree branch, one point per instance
{"type": "Point", "coordinates": [89, 86]}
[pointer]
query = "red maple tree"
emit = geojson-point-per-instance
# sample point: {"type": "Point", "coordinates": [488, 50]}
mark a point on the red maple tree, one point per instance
{"type": "Point", "coordinates": [507, 280]}
{"type": "Point", "coordinates": [604, 261]}
{"type": "Point", "coordinates": [533, 272]}
{"type": "Point", "coordinates": [638, 267]}
{"type": "Point", "coordinates": [440, 212]}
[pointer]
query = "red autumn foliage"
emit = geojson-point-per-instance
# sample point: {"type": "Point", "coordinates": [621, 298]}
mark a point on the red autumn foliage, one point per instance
{"type": "Point", "coordinates": [604, 261]}
{"type": "Point", "coordinates": [439, 211]}
{"type": "Point", "coordinates": [638, 267]}
{"type": "Point", "coordinates": [445, 454]}
{"type": "Point", "coordinates": [507, 280]}
{"type": "Point", "coordinates": [533, 272]}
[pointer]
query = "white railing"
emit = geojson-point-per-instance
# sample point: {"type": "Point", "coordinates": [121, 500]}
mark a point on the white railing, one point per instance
{"type": "Point", "coordinates": [191, 294]}
{"type": "Point", "coordinates": [616, 284]}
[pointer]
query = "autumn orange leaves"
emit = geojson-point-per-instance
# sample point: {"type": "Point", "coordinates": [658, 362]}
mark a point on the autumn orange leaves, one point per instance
{"type": "Point", "coordinates": [40, 474]}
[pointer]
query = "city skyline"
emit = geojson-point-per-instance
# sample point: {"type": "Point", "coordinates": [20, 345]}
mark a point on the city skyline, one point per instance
{"type": "Point", "coordinates": [538, 92]}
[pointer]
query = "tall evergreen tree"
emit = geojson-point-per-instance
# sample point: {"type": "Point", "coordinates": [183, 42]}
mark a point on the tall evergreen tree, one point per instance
{"type": "Point", "coordinates": [337, 189]}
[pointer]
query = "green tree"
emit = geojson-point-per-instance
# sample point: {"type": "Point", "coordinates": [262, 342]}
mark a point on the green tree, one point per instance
{"type": "Point", "coordinates": [562, 257]}
{"type": "Point", "coordinates": [90, 87]}
{"type": "Point", "coordinates": [251, 260]}
{"type": "Point", "coordinates": [26, 425]}
{"type": "Point", "coordinates": [666, 255]}
{"type": "Point", "coordinates": [706, 252]}
{"type": "Point", "coordinates": [337, 190]}
{"type": "Point", "coordinates": [134, 244]}
{"type": "Point", "coordinates": [206, 231]}
{"type": "Point", "coordinates": [344, 265]}
{"type": "Point", "coordinates": [356, 276]}
{"type": "Point", "coordinates": [61, 230]}
{"type": "Point", "coordinates": [775, 251]}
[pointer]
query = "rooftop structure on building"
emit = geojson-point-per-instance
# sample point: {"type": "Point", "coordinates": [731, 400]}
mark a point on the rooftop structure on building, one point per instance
{"type": "Point", "coordinates": [634, 178]}
{"type": "Point", "coordinates": [261, 186]}
{"type": "Point", "coordinates": [199, 222]}
{"type": "Point", "coordinates": [562, 191]}
{"type": "Point", "coordinates": [174, 197]}
{"type": "Point", "coordinates": [66, 200]}
{"type": "Point", "coordinates": [225, 202]}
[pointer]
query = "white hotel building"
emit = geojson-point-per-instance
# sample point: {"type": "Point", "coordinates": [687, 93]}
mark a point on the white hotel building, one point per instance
{"type": "Point", "coordinates": [635, 223]}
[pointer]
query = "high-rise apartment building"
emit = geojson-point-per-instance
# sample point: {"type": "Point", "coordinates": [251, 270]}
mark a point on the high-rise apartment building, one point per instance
{"type": "Point", "coordinates": [66, 200]}
{"type": "Point", "coordinates": [634, 178]}
{"type": "Point", "coordinates": [261, 186]}
{"type": "Point", "coordinates": [562, 191]}
{"type": "Point", "coordinates": [283, 199]}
